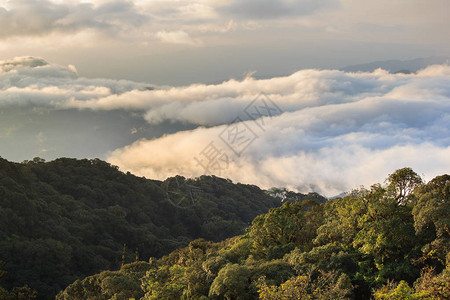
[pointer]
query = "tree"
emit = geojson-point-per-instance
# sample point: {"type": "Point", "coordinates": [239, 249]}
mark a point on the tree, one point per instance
{"type": "Point", "coordinates": [279, 231]}
{"type": "Point", "coordinates": [122, 284]}
{"type": "Point", "coordinates": [17, 293]}
{"type": "Point", "coordinates": [432, 218]}
{"type": "Point", "coordinates": [428, 287]}
{"type": "Point", "coordinates": [401, 291]}
{"type": "Point", "coordinates": [232, 282]}
{"type": "Point", "coordinates": [434, 286]}
{"type": "Point", "coordinates": [328, 285]}
{"type": "Point", "coordinates": [368, 228]}
{"type": "Point", "coordinates": [67, 219]}
{"type": "Point", "coordinates": [166, 282]}
{"type": "Point", "coordinates": [387, 234]}
{"type": "Point", "coordinates": [402, 182]}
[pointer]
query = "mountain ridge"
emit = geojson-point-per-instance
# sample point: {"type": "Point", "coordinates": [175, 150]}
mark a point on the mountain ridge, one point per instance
{"type": "Point", "coordinates": [80, 217]}
{"type": "Point", "coordinates": [398, 66]}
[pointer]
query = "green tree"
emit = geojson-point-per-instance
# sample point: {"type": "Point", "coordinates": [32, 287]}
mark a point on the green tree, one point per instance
{"type": "Point", "coordinates": [402, 183]}
{"type": "Point", "coordinates": [387, 234]}
{"type": "Point", "coordinates": [341, 219]}
{"type": "Point", "coordinates": [67, 219]}
{"type": "Point", "coordinates": [401, 291]}
{"type": "Point", "coordinates": [232, 282]}
{"type": "Point", "coordinates": [280, 230]}
{"type": "Point", "coordinates": [432, 218]}
{"type": "Point", "coordinates": [326, 286]}
{"type": "Point", "coordinates": [434, 286]}
{"type": "Point", "coordinates": [122, 284]}
{"type": "Point", "coordinates": [166, 282]}
{"type": "Point", "coordinates": [372, 229]}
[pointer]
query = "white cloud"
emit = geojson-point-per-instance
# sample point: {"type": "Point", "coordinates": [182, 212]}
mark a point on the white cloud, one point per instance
{"type": "Point", "coordinates": [31, 80]}
{"type": "Point", "coordinates": [218, 104]}
{"type": "Point", "coordinates": [337, 130]}
{"type": "Point", "coordinates": [176, 37]}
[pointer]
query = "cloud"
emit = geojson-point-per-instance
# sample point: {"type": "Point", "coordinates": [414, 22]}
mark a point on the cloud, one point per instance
{"type": "Point", "coordinates": [183, 10]}
{"type": "Point", "coordinates": [36, 18]}
{"type": "Point", "coordinates": [337, 131]}
{"type": "Point", "coordinates": [176, 37]}
{"type": "Point", "coordinates": [21, 62]}
{"type": "Point", "coordinates": [31, 80]}
{"type": "Point", "coordinates": [271, 9]}
{"type": "Point", "coordinates": [315, 130]}
{"type": "Point", "coordinates": [211, 105]}
{"type": "Point", "coordinates": [36, 120]}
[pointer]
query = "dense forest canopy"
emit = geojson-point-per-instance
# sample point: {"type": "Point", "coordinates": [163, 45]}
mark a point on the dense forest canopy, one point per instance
{"type": "Point", "coordinates": [61, 222]}
{"type": "Point", "coordinates": [67, 219]}
{"type": "Point", "coordinates": [389, 241]}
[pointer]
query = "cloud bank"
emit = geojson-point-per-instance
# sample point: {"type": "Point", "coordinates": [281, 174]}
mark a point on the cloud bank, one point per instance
{"type": "Point", "coordinates": [316, 130]}
{"type": "Point", "coordinates": [337, 131]}
{"type": "Point", "coordinates": [32, 80]}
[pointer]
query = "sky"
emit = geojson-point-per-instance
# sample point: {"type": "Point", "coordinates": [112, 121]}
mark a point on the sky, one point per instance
{"type": "Point", "coordinates": [251, 90]}
{"type": "Point", "coordinates": [179, 42]}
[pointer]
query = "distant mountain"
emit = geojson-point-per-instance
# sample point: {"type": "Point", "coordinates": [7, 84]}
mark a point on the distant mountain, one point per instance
{"type": "Point", "coordinates": [68, 218]}
{"type": "Point", "coordinates": [398, 66]}
{"type": "Point", "coordinates": [339, 196]}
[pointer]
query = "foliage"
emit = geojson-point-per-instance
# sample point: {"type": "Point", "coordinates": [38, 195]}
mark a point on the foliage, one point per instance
{"type": "Point", "coordinates": [67, 219]}
{"type": "Point", "coordinates": [402, 183]}
{"type": "Point", "coordinates": [434, 286]}
{"type": "Point", "coordinates": [428, 286]}
{"type": "Point", "coordinates": [326, 286]}
{"type": "Point", "coordinates": [366, 244]}
{"type": "Point", "coordinates": [401, 291]}
{"type": "Point", "coordinates": [122, 284]}
{"type": "Point", "coordinates": [21, 293]}
{"type": "Point", "coordinates": [18, 293]}
{"type": "Point", "coordinates": [280, 230]}
{"type": "Point", "coordinates": [232, 282]}
{"type": "Point", "coordinates": [432, 219]}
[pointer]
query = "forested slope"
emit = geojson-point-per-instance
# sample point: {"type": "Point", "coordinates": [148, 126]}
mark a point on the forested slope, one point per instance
{"type": "Point", "coordinates": [390, 241]}
{"type": "Point", "coordinates": [67, 219]}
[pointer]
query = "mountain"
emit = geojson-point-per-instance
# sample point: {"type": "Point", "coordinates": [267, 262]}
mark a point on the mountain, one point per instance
{"type": "Point", "coordinates": [67, 219]}
{"type": "Point", "coordinates": [386, 242]}
{"type": "Point", "coordinates": [398, 66]}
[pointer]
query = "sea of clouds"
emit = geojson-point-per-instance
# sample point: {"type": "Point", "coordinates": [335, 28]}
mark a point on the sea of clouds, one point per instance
{"type": "Point", "coordinates": [316, 130]}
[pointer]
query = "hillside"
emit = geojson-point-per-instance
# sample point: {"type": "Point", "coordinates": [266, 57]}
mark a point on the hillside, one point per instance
{"type": "Point", "coordinates": [67, 219]}
{"type": "Point", "coordinates": [390, 241]}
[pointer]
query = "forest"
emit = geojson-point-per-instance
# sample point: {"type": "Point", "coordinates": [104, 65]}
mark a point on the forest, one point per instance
{"type": "Point", "coordinates": [67, 219]}
{"type": "Point", "coordinates": [81, 229]}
